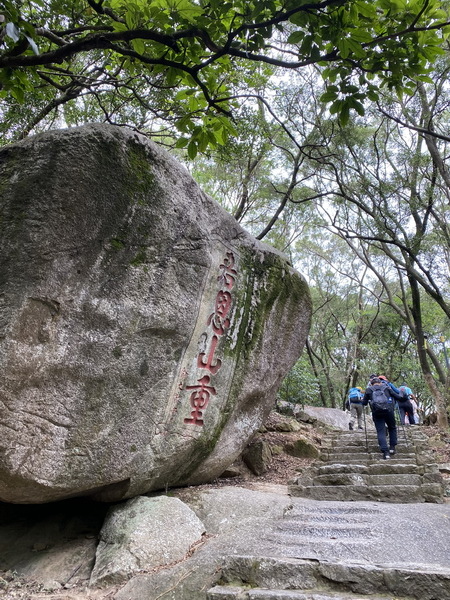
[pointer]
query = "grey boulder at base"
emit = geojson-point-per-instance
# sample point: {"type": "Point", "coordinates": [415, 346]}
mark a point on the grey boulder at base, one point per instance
{"type": "Point", "coordinates": [143, 332]}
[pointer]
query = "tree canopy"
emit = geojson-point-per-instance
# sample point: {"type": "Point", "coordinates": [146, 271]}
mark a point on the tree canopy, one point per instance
{"type": "Point", "coordinates": [186, 62]}
{"type": "Point", "coordinates": [363, 212]}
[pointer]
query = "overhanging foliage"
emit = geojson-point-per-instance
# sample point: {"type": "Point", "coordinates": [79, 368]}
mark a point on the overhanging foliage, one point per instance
{"type": "Point", "coordinates": [183, 60]}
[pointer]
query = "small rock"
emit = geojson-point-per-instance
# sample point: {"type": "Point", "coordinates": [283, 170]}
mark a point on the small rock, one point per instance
{"type": "Point", "coordinates": [257, 457]}
{"type": "Point", "coordinates": [301, 448]}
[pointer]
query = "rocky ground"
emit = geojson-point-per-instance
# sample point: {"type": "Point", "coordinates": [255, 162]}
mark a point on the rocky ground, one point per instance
{"type": "Point", "coordinates": [279, 433]}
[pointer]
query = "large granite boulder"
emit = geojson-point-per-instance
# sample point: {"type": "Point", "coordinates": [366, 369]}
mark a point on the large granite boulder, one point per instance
{"type": "Point", "coordinates": [143, 332]}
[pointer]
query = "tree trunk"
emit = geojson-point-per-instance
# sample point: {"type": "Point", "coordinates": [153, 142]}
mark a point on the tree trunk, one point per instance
{"type": "Point", "coordinates": [439, 398]}
{"type": "Point", "coordinates": [312, 357]}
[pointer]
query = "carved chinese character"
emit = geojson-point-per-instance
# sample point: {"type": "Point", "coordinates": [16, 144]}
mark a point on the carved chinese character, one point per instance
{"type": "Point", "coordinates": [229, 273]}
{"type": "Point", "coordinates": [218, 318]}
{"type": "Point", "coordinates": [199, 399]}
{"type": "Point", "coordinates": [206, 361]}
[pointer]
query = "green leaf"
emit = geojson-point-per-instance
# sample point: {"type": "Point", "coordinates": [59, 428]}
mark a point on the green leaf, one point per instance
{"type": "Point", "coordinates": [356, 105]}
{"type": "Point", "coordinates": [425, 79]}
{"type": "Point", "coordinates": [117, 26]}
{"type": "Point", "coordinates": [361, 35]}
{"type": "Point", "coordinates": [366, 9]}
{"type": "Point", "coordinates": [296, 37]}
{"type": "Point", "coordinates": [336, 107]}
{"type": "Point", "coordinates": [203, 141]}
{"type": "Point", "coordinates": [18, 94]}
{"type": "Point", "coordinates": [182, 142]}
{"type": "Point", "coordinates": [192, 150]}
{"type": "Point", "coordinates": [344, 115]}
{"type": "Point", "coordinates": [221, 136]}
{"type": "Point", "coordinates": [172, 76]}
{"type": "Point", "coordinates": [328, 96]}
{"type": "Point", "coordinates": [305, 48]}
{"type": "Point", "coordinates": [300, 18]}
{"type": "Point", "coordinates": [315, 52]}
{"type": "Point", "coordinates": [193, 104]}
{"type": "Point", "coordinates": [188, 10]}
{"type": "Point", "coordinates": [344, 47]}
{"type": "Point", "coordinates": [129, 19]}
{"type": "Point", "coordinates": [348, 89]}
{"type": "Point", "coordinates": [356, 48]}
{"type": "Point", "coordinates": [139, 46]}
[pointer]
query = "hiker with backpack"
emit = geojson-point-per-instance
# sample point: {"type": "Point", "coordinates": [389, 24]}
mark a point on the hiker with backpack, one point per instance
{"type": "Point", "coordinates": [354, 402]}
{"type": "Point", "coordinates": [406, 406]}
{"type": "Point", "coordinates": [380, 397]}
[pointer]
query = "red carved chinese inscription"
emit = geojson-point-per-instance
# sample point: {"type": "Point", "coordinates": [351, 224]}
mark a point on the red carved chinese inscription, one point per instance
{"type": "Point", "coordinates": [219, 323]}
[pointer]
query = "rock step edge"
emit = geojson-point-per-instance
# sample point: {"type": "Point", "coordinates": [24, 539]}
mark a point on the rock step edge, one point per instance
{"type": "Point", "coordinates": [406, 582]}
{"type": "Point", "coordinates": [242, 593]}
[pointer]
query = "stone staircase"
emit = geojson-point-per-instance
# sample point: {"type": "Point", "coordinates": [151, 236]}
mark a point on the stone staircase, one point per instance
{"type": "Point", "coordinates": [335, 550]}
{"type": "Point", "coordinates": [352, 468]}
{"type": "Point", "coordinates": [252, 578]}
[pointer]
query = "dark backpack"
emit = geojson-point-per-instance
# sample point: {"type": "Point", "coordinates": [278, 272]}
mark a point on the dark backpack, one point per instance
{"type": "Point", "coordinates": [379, 402]}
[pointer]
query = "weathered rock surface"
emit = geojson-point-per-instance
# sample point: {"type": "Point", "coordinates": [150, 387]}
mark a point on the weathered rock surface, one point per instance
{"type": "Point", "coordinates": [333, 417]}
{"type": "Point", "coordinates": [143, 333]}
{"type": "Point", "coordinates": [142, 534]}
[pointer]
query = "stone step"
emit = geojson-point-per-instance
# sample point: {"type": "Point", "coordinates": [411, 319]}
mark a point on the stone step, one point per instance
{"type": "Point", "coordinates": [327, 526]}
{"type": "Point", "coordinates": [364, 458]}
{"type": "Point", "coordinates": [371, 432]}
{"type": "Point", "coordinates": [412, 432]}
{"type": "Point", "coordinates": [323, 530]}
{"type": "Point", "coordinates": [374, 468]}
{"type": "Point", "coordinates": [242, 593]}
{"type": "Point", "coordinates": [247, 575]}
{"type": "Point", "coordinates": [406, 494]}
{"type": "Point", "coordinates": [361, 479]}
{"type": "Point", "coordinates": [342, 513]}
{"type": "Point", "coordinates": [358, 448]}
{"type": "Point", "coordinates": [360, 440]}
{"type": "Point", "coordinates": [359, 437]}
{"type": "Point", "coordinates": [355, 449]}
{"type": "Point", "coordinates": [261, 594]}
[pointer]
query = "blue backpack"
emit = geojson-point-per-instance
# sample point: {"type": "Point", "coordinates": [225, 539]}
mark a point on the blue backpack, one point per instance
{"type": "Point", "coordinates": [405, 391]}
{"type": "Point", "coordinates": [354, 395]}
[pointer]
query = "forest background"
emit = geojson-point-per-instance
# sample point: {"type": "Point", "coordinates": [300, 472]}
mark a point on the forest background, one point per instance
{"type": "Point", "coordinates": [321, 126]}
